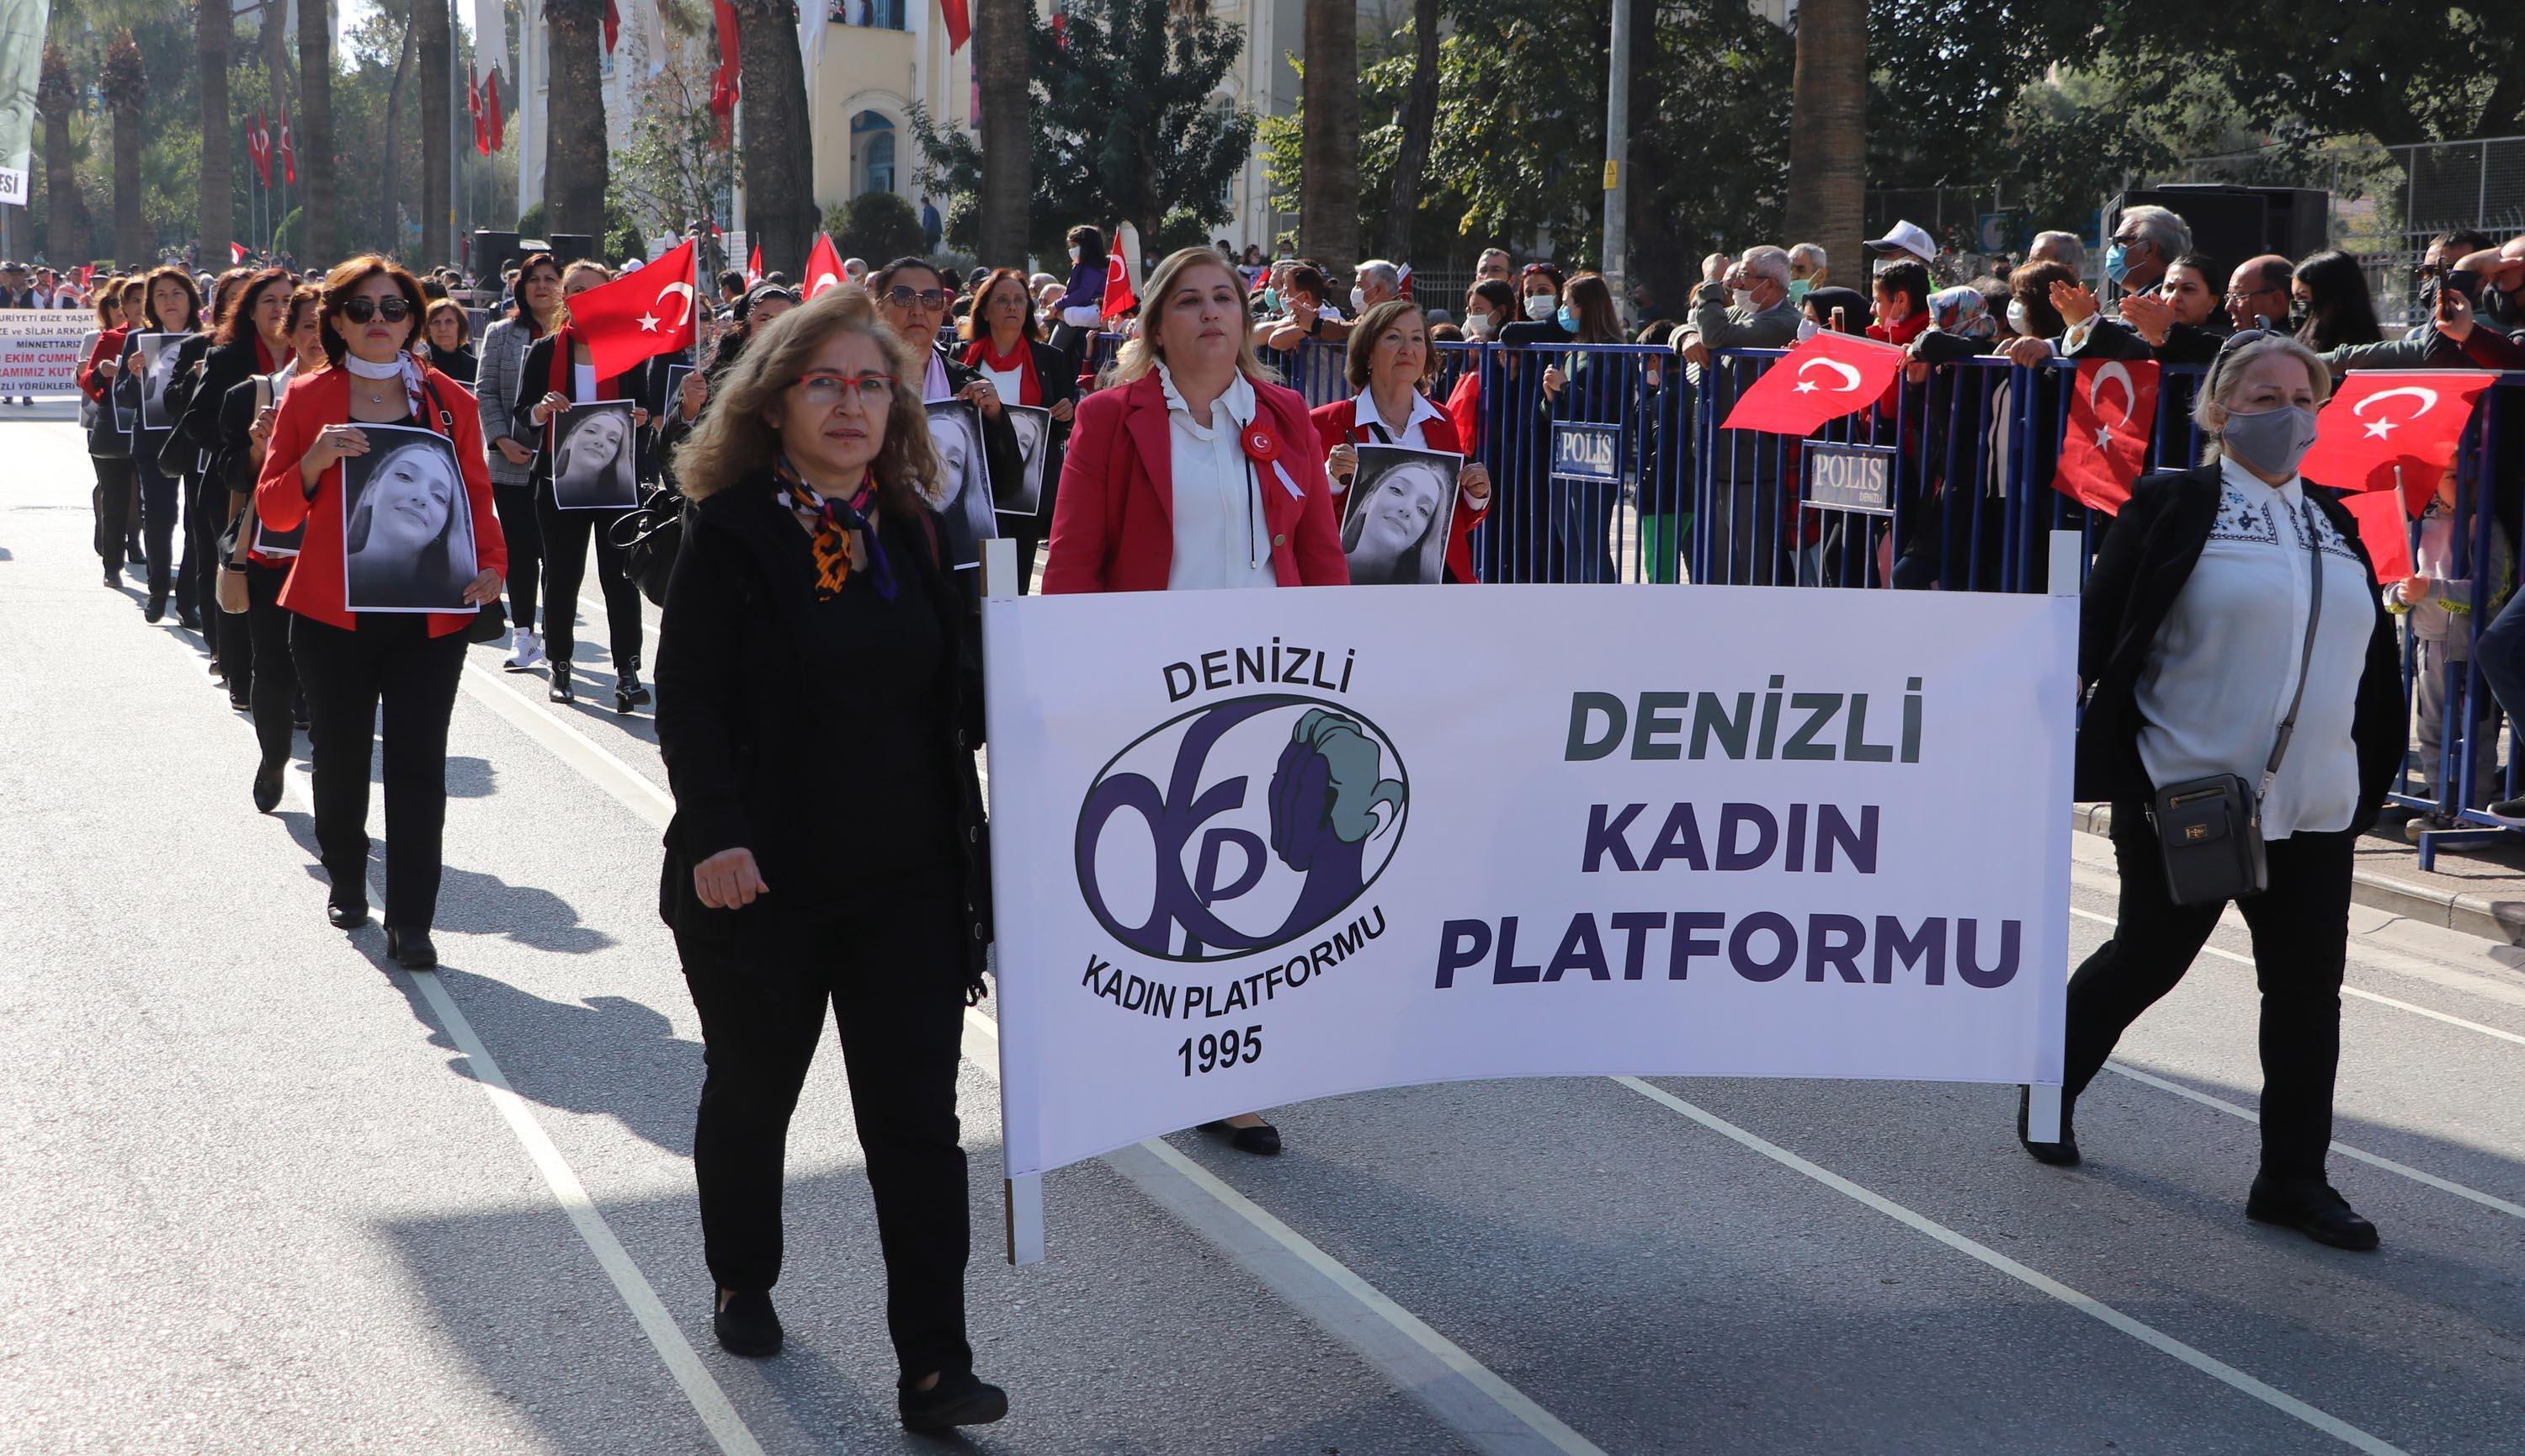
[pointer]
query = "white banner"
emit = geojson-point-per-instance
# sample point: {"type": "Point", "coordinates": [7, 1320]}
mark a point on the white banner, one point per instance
{"type": "Point", "coordinates": [1254, 847]}
{"type": "Point", "coordinates": [39, 349]}
{"type": "Point", "coordinates": [23, 26]}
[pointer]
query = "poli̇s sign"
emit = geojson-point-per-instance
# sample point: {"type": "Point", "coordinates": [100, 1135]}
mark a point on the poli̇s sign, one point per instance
{"type": "Point", "coordinates": [1239, 825]}
{"type": "Point", "coordinates": [1850, 478]}
{"type": "Point", "coordinates": [1587, 452]}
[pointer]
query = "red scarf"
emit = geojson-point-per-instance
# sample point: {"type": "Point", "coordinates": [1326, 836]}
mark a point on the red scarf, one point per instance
{"type": "Point", "coordinates": [565, 370]}
{"type": "Point", "coordinates": [263, 363]}
{"type": "Point", "coordinates": [1029, 387]}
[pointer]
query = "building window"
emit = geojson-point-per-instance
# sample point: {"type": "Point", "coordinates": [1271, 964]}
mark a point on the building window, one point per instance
{"type": "Point", "coordinates": [871, 153]}
{"type": "Point", "coordinates": [876, 15]}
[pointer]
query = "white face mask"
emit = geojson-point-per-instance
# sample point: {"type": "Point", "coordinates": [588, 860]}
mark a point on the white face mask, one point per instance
{"type": "Point", "coordinates": [1359, 300]}
{"type": "Point", "coordinates": [1540, 307]}
{"type": "Point", "coordinates": [1743, 299]}
{"type": "Point", "coordinates": [1073, 255]}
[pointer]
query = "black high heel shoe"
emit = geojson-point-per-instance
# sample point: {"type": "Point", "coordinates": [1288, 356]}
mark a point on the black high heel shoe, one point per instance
{"type": "Point", "coordinates": [629, 692]}
{"type": "Point", "coordinates": [1261, 1139]}
{"type": "Point", "coordinates": [559, 692]}
{"type": "Point", "coordinates": [266, 790]}
{"type": "Point", "coordinates": [411, 949]}
{"type": "Point", "coordinates": [346, 915]}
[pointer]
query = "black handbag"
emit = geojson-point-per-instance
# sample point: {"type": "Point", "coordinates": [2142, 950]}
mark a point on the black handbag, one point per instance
{"type": "Point", "coordinates": [649, 538]}
{"type": "Point", "coordinates": [2209, 830]}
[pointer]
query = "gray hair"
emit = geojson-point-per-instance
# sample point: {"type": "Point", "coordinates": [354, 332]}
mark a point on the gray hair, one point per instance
{"type": "Point", "coordinates": [2161, 228]}
{"type": "Point", "coordinates": [2227, 373]}
{"type": "Point", "coordinates": [2066, 248]}
{"type": "Point", "coordinates": [1768, 261]}
{"type": "Point", "coordinates": [1809, 254]}
{"type": "Point", "coordinates": [1380, 273]}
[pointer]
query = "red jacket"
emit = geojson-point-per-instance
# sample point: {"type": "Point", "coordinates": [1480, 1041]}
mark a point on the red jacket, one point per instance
{"type": "Point", "coordinates": [313, 401]}
{"type": "Point", "coordinates": [1337, 424]}
{"type": "Point", "coordinates": [109, 346]}
{"type": "Point", "coordinates": [1112, 526]}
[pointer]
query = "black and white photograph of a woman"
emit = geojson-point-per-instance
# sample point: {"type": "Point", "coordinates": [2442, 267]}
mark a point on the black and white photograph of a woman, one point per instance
{"type": "Point", "coordinates": [595, 460]}
{"type": "Point", "coordinates": [406, 524]}
{"type": "Point", "coordinates": [1401, 503]}
{"type": "Point", "coordinates": [1034, 440]}
{"type": "Point", "coordinates": [956, 429]}
{"type": "Point", "coordinates": [158, 352]}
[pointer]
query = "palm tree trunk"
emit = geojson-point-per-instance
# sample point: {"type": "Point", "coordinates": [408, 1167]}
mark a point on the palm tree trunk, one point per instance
{"type": "Point", "coordinates": [214, 26]}
{"type": "Point", "coordinates": [131, 246]}
{"type": "Point", "coordinates": [65, 211]}
{"type": "Point", "coordinates": [1008, 176]}
{"type": "Point", "coordinates": [1328, 152]}
{"type": "Point", "coordinates": [1415, 119]}
{"type": "Point", "coordinates": [430, 17]}
{"type": "Point", "coordinates": [315, 131]}
{"type": "Point", "coordinates": [574, 156]}
{"type": "Point", "coordinates": [780, 165]}
{"type": "Point", "coordinates": [1827, 200]}
{"type": "Point", "coordinates": [389, 224]}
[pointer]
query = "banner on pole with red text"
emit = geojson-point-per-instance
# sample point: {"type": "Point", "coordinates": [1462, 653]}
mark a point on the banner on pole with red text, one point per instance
{"type": "Point", "coordinates": [39, 349]}
{"type": "Point", "coordinates": [1254, 848]}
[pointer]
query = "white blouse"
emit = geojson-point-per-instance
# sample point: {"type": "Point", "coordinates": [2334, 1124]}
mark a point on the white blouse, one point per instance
{"type": "Point", "coordinates": [1221, 538]}
{"type": "Point", "coordinates": [584, 377]}
{"type": "Point", "coordinates": [1367, 419]}
{"type": "Point", "coordinates": [2219, 676]}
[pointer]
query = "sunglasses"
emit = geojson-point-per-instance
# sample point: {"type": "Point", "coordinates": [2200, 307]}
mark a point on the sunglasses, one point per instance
{"type": "Point", "coordinates": [362, 309]}
{"type": "Point", "coordinates": [824, 388]}
{"type": "Point", "coordinates": [928, 298]}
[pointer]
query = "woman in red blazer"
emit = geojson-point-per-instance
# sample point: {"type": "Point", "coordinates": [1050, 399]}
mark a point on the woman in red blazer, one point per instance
{"type": "Point", "coordinates": [1390, 362]}
{"type": "Point", "coordinates": [1192, 469]}
{"type": "Point", "coordinates": [411, 532]}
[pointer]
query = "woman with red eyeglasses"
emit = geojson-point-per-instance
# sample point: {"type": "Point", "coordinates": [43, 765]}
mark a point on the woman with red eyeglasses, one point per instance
{"type": "Point", "coordinates": [352, 663]}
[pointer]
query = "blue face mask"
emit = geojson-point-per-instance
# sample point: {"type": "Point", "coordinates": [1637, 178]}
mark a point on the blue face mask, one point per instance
{"type": "Point", "coordinates": [2117, 263]}
{"type": "Point", "coordinates": [1272, 298]}
{"type": "Point", "coordinates": [1568, 320]}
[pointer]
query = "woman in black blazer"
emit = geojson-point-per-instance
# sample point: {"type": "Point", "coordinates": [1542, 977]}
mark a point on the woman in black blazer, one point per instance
{"type": "Point", "coordinates": [1009, 352]}
{"type": "Point", "coordinates": [252, 339]}
{"type": "Point", "coordinates": [2189, 636]}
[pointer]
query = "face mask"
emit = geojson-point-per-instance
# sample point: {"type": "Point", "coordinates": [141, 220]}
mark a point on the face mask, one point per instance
{"type": "Point", "coordinates": [1271, 299]}
{"type": "Point", "coordinates": [2272, 441]}
{"type": "Point", "coordinates": [1073, 255]}
{"type": "Point", "coordinates": [1480, 326]}
{"type": "Point", "coordinates": [2297, 316]}
{"type": "Point", "coordinates": [1359, 300]}
{"type": "Point", "coordinates": [1540, 307]}
{"type": "Point", "coordinates": [2017, 322]}
{"type": "Point", "coordinates": [1743, 299]}
{"type": "Point", "coordinates": [1797, 290]}
{"type": "Point", "coordinates": [1568, 322]}
{"type": "Point", "coordinates": [2117, 263]}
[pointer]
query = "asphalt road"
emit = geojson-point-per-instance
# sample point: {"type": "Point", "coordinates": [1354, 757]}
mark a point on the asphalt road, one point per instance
{"type": "Point", "coordinates": [259, 1191]}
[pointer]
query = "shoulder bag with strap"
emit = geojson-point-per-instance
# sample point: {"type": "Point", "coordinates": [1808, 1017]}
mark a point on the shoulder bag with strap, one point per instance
{"type": "Point", "coordinates": [236, 543]}
{"type": "Point", "coordinates": [490, 620]}
{"type": "Point", "coordinates": [2210, 830]}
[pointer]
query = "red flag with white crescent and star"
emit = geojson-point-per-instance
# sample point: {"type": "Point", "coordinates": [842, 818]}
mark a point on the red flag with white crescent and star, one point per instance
{"type": "Point", "coordinates": [2112, 411]}
{"type": "Point", "coordinates": [2396, 426]}
{"type": "Point", "coordinates": [647, 311]}
{"type": "Point", "coordinates": [258, 145]}
{"type": "Point", "coordinates": [1119, 297]}
{"type": "Point", "coordinates": [823, 265]}
{"type": "Point", "coordinates": [754, 266]}
{"type": "Point", "coordinates": [1829, 376]}
{"type": "Point", "coordinates": [288, 152]}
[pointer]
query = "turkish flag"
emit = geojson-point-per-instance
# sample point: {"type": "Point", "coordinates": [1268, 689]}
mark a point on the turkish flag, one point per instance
{"type": "Point", "coordinates": [643, 313]}
{"type": "Point", "coordinates": [2400, 421]}
{"type": "Point", "coordinates": [960, 23]}
{"type": "Point", "coordinates": [754, 266]}
{"type": "Point", "coordinates": [493, 122]}
{"type": "Point", "coordinates": [2384, 528]}
{"type": "Point", "coordinates": [724, 84]}
{"type": "Point", "coordinates": [1118, 288]}
{"type": "Point", "coordinates": [823, 265]}
{"type": "Point", "coordinates": [474, 109]}
{"type": "Point", "coordinates": [2112, 411]}
{"type": "Point", "coordinates": [258, 145]}
{"type": "Point", "coordinates": [613, 25]}
{"type": "Point", "coordinates": [288, 152]}
{"type": "Point", "coordinates": [1827, 376]}
{"type": "Point", "coordinates": [236, 254]}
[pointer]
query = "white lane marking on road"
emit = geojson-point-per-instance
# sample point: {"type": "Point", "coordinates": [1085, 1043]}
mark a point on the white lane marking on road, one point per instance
{"type": "Point", "coordinates": [1491, 1415]}
{"type": "Point", "coordinates": [2346, 990]}
{"type": "Point", "coordinates": [2442, 1185]}
{"type": "Point", "coordinates": [718, 1415]}
{"type": "Point", "coordinates": [2218, 1370]}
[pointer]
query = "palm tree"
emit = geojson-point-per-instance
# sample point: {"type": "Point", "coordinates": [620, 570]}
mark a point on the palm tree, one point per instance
{"type": "Point", "coordinates": [779, 158]}
{"type": "Point", "coordinates": [1000, 32]}
{"type": "Point", "coordinates": [214, 24]}
{"type": "Point", "coordinates": [1827, 200]}
{"type": "Point", "coordinates": [65, 211]}
{"type": "Point", "coordinates": [1328, 152]}
{"type": "Point", "coordinates": [125, 87]}
{"type": "Point", "coordinates": [314, 131]}
{"type": "Point", "coordinates": [432, 19]}
{"type": "Point", "coordinates": [1415, 120]}
{"type": "Point", "coordinates": [574, 156]}
{"type": "Point", "coordinates": [391, 191]}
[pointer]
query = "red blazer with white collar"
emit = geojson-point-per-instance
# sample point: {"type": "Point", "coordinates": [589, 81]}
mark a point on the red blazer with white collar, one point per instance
{"type": "Point", "coordinates": [313, 401]}
{"type": "Point", "coordinates": [1337, 424]}
{"type": "Point", "coordinates": [1112, 523]}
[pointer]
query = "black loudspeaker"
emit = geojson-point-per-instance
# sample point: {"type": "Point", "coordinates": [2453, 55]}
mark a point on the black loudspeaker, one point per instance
{"type": "Point", "coordinates": [2231, 224]}
{"type": "Point", "coordinates": [490, 252]}
{"type": "Point", "coordinates": [568, 247]}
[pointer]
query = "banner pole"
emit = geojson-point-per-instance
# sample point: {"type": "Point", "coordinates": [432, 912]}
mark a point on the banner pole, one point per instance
{"type": "Point", "coordinates": [1022, 1193]}
{"type": "Point", "coordinates": [2067, 569]}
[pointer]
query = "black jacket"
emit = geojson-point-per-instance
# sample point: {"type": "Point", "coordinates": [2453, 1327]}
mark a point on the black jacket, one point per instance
{"type": "Point", "coordinates": [1058, 373]}
{"type": "Point", "coordinates": [2185, 343]}
{"type": "Point", "coordinates": [731, 707]}
{"type": "Point", "coordinates": [2147, 558]}
{"type": "Point", "coordinates": [534, 382]}
{"type": "Point", "coordinates": [223, 369]}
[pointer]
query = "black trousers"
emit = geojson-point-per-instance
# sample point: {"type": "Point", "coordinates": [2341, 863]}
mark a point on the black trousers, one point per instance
{"type": "Point", "coordinates": [524, 531]}
{"type": "Point", "coordinates": [206, 514]}
{"type": "Point", "coordinates": [159, 511]}
{"type": "Point", "coordinates": [566, 535]}
{"type": "Point", "coordinates": [270, 676]}
{"type": "Point", "coordinates": [2300, 929]}
{"type": "Point", "coordinates": [390, 659]}
{"type": "Point", "coordinates": [894, 978]}
{"type": "Point", "coordinates": [115, 499]}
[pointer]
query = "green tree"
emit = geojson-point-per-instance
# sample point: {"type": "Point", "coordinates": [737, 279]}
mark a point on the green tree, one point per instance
{"type": "Point", "coordinates": [1126, 124]}
{"type": "Point", "coordinates": [878, 226]}
{"type": "Point", "coordinates": [670, 171]}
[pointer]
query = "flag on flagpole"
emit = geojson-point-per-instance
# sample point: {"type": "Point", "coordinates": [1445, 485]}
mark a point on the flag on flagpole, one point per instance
{"type": "Point", "coordinates": [960, 23]}
{"type": "Point", "coordinates": [1118, 288]}
{"type": "Point", "coordinates": [823, 265]}
{"type": "Point", "coordinates": [288, 151]}
{"type": "Point", "coordinates": [724, 85]}
{"type": "Point", "coordinates": [236, 254]}
{"type": "Point", "coordinates": [258, 145]}
{"type": "Point", "coordinates": [490, 50]}
{"type": "Point", "coordinates": [644, 313]}
{"type": "Point", "coordinates": [753, 266]}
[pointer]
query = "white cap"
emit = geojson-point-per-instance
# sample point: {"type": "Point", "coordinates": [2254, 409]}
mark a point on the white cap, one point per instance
{"type": "Point", "coordinates": [1908, 237]}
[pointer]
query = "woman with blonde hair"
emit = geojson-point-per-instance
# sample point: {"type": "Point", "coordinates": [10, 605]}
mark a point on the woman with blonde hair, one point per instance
{"type": "Point", "coordinates": [2229, 634]}
{"type": "Point", "coordinates": [819, 705]}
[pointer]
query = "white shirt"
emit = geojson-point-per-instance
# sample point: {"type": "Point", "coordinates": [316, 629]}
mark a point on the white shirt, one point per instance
{"type": "Point", "coordinates": [1010, 381]}
{"type": "Point", "coordinates": [2221, 671]}
{"type": "Point", "coordinates": [1369, 421]}
{"type": "Point", "coordinates": [934, 385]}
{"type": "Point", "coordinates": [1220, 536]}
{"type": "Point", "coordinates": [584, 377]}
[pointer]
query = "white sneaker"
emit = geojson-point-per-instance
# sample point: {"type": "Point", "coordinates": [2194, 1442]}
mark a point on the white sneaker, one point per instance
{"type": "Point", "coordinates": [517, 640]}
{"type": "Point", "coordinates": [531, 651]}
